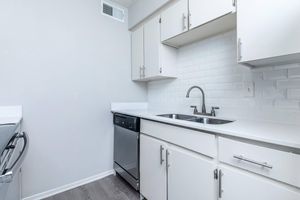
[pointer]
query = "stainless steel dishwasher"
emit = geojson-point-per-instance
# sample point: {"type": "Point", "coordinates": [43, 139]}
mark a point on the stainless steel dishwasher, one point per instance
{"type": "Point", "coordinates": [126, 148]}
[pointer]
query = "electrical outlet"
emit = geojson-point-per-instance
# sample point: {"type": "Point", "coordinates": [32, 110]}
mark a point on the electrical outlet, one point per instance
{"type": "Point", "coordinates": [249, 89]}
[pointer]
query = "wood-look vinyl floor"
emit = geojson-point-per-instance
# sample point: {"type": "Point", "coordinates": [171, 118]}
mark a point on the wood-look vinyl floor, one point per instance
{"type": "Point", "coordinates": [109, 188]}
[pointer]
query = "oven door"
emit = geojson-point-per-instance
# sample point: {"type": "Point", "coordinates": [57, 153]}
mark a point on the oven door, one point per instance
{"type": "Point", "coordinates": [10, 163]}
{"type": "Point", "coordinates": [126, 150]}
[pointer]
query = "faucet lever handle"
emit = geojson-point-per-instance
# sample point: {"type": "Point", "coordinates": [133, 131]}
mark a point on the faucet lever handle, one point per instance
{"type": "Point", "coordinates": [213, 111]}
{"type": "Point", "coordinates": [195, 109]}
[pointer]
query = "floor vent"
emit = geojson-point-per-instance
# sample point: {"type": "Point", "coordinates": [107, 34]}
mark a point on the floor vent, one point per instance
{"type": "Point", "coordinates": [113, 11]}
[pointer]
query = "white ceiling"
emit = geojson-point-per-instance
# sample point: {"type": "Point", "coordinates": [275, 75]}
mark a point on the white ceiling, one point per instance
{"type": "Point", "coordinates": [125, 3]}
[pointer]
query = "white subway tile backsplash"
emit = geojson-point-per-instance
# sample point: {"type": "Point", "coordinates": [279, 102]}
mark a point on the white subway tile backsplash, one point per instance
{"type": "Point", "coordinates": [290, 66]}
{"type": "Point", "coordinates": [274, 93]}
{"type": "Point", "coordinates": [287, 104]}
{"type": "Point", "coordinates": [275, 74]}
{"type": "Point", "coordinates": [262, 84]}
{"type": "Point", "coordinates": [211, 64]}
{"type": "Point", "coordinates": [291, 83]}
{"type": "Point", "coordinates": [294, 72]}
{"type": "Point", "coordinates": [293, 94]}
{"type": "Point", "coordinates": [267, 103]}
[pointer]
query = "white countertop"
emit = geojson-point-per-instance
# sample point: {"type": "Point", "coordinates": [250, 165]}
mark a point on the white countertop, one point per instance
{"type": "Point", "coordinates": [273, 133]}
{"type": "Point", "coordinates": [10, 114]}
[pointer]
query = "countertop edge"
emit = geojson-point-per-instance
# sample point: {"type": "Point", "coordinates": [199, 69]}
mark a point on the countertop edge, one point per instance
{"type": "Point", "coordinates": [151, 117]}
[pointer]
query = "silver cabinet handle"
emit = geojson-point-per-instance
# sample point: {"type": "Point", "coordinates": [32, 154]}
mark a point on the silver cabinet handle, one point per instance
{"type": "Point", "coordinates": [189, 20]}
{"type": "Point", "coordinates": [140, 72]}
{"type": "Point", "coordinates": [220, 184]}
{"type": "Point", "coordinates": [183, 21]}
{"type": "Point", "coordinates": [239, 49]}
{"type": "Point", "coordinates": [161, 154]}
{"type": "Point", "coordinates": [144, 71]}
{"type": "Point", "coordinates": [167, 159]}
{"type": "Point", "coordinates": [262, 164]}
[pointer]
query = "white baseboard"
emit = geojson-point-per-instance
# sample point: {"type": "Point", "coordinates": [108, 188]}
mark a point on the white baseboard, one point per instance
{"type": "Point", "coordinates": [70, 186]}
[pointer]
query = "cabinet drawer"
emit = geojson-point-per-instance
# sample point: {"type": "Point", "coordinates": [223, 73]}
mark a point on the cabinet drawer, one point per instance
{"type": "Point", "coordinates": [278, 165]}
{"type": "Point", "coordinates": [197, 141]}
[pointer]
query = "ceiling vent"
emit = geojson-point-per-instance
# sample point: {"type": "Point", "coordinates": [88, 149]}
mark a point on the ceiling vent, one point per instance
{"type": "Point", "coordinates": [113, 11]}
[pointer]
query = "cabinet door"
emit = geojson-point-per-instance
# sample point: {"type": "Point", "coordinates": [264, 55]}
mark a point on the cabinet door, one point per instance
{"type": "Point", "coordinates": [152, 46]}
{"type": "Point", "coordinates": [267, 28]}
{"type": "Point", "coordinates": [243, 185]}
{"type": "Point", "coordinates": [190, 176]}
{"type": "Point", "coordinates": [174, 20]}
{"type": "Point", "coordinates": [203, 11]}
{"type": "Point", "coordinates": [153, 173]}
{"type": "Point", "coordinates": [137, 54]}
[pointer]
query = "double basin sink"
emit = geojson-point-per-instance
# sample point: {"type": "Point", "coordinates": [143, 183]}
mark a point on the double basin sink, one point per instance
{"type": "Point", "coordinates": [191, 118]}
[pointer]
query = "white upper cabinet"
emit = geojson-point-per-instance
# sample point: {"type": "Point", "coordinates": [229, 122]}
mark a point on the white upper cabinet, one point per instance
{"type": "Point", "coordinates": [152, 47]}
{"type": "Point", "coordinates": [204, 11]}
{"type": "Point", "coordinates": [174, 20]}
{"type": "Point", "coordinates": [151, 59]}
{"type": "Point", "coordinates": [137, 54]}
{"type": "Point", "coordinates": [190, 20]}
{"type": "Point", "coordinates": [268, 31]}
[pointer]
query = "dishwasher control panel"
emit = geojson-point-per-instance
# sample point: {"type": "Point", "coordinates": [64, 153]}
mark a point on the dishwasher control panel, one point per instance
{"type": "Point", "coordinates": [127, 122]}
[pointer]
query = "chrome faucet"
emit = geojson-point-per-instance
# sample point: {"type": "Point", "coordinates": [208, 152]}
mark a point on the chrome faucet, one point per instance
{"type": "Point", "coordinates": [203, 97]}
{"type": "Point", "coordinates": [213, 110]}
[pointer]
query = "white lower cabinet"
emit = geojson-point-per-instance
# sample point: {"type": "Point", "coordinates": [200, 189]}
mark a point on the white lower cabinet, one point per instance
{"type": "Point", "coordinates": [173, 169]}
{"type": "Point", "coordinates": [173, 173]}
{"type": "Point", "coordinates": [237, 185]}
{"type": "Point", "coordinates": [153, 174]}
{"type": "Point", "coordinates": [190, 176]}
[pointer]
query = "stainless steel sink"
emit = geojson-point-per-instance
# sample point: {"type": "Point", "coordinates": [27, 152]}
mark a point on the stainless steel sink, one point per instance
{"type": "Point", "coordinates": [191, 118]}
{"type": "Point", "coordinates": [209, 120]}
{"type": "Point", "coordinates": [177, 116]}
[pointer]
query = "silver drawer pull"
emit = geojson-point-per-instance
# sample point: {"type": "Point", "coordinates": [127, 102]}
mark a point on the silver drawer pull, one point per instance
{"type": "Point", "coordinates": [263, 164]}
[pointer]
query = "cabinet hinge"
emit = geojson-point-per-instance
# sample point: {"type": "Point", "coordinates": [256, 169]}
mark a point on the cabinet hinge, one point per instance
{"type": "Point", "coordinates": [159, 20]}
{"type": "Point", "coordinates": [160, 70]}
{"type": "Point", "coordinates": [216, 172]}
{"type": "Point", "coordinates": [239, 49]}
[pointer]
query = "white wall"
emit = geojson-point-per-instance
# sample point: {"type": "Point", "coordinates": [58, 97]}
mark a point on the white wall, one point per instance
{"type": "Point", "coordinates": [141, 9]}
{"type": "Point", "coordinates": [211, 64]}
{"type": "Point", "coordinates": [64, 62]}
